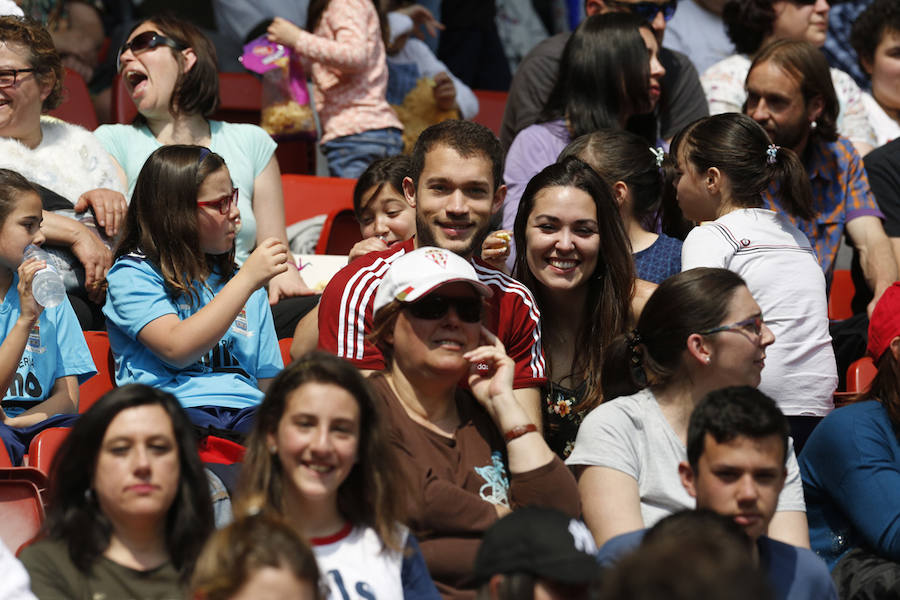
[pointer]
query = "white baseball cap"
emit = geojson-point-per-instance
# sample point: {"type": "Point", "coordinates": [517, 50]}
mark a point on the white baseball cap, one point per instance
{"type": "Point", "coordinates": [419, 272]}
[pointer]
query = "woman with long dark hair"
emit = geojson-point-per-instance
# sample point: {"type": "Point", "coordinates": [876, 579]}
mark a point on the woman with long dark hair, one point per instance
{"type": "Point", "coordinates": [851, 472]}
{"type": "Point", "coordinates": [700, 331]}
{"type": "Point", "coordinates": [129, 506]}
{"type": "Point", "coordinates": [575, 258]}
{"type": "Point", "coordinates": [605, 81]}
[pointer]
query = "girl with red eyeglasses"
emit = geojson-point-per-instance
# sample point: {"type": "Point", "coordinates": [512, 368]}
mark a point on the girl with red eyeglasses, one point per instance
{"type": "Point", "coordinates": [180, 316]}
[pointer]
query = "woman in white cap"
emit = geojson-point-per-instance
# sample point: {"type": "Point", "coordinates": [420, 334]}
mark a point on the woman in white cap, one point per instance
{"type": "Point", "coordinates": [472, 455]}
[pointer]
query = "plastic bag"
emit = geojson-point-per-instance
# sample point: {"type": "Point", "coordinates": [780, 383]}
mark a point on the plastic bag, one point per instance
{"type": "Point", "coordinates": [285, 99]}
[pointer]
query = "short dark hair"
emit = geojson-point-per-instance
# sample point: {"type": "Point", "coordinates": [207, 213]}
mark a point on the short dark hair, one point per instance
{"type": "Point", "coordinates": [234, 553]}
{"type": "Point", "coordinates": [12, 184]}
{"type": "Point", "coordinates": [43, 55]}
{"type": "Point", "coordinates": [731, 412]}
{"type": "Point", "coordinates": [391, 170]}
{"type": "Point", "coordinates": [161, 220]}
{"type": "Point", "coordinates": [74, 516]}
{"type": "Point", "coordinates": [808, 66]}
{"type": "Point", "coordinates": [870, 27]}
{"type": "Point", "coordinates": [748, 23]}
{"type": "Point", "coordinates": [374, 490]}
{"type": "Point", "coordinates": [197, 90]}
{"type": "Point", "coordinates": [467, 138]}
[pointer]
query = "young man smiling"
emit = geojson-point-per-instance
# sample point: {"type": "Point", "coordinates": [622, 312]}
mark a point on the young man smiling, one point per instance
{"type": "Point", "coordinates": [455, 187]}
{"type": "Point", "coordinates": [737, 445]}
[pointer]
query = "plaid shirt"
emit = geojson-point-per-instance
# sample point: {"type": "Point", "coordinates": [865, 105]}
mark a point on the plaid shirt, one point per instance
{"type": "Point", "coordinates": [841, 193]}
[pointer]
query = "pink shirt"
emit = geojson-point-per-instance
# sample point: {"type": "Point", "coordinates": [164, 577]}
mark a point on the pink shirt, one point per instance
{"type": "Point", "coordinates": [348, 69]}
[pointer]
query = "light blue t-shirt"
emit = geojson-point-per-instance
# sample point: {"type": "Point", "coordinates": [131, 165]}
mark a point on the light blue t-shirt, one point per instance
{"type": "Point", "coordinates": [55, 348]}
{"type": "Point", "coordinates": [246, 149]}
{"type": "Point", "coordinates": [226, 376]}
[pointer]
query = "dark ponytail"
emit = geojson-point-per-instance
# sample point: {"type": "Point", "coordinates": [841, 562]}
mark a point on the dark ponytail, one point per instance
{"type": "Point", "coordinates": [740, 148]}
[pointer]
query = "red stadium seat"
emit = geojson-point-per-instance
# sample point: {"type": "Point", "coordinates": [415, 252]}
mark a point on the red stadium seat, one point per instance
{"type": "Point", "coordinates": [490, 109]}
{"type": "Point", "coordinates": [91, 390]}
{"type": "Point", "coordinates": [22, 512]}
{"type": "Point", "coordinates": [306, 196]}
{"type": "Point", "coordinates": [76, 106]}
{"type": "Point", "coordinates": [860, 375]}
{"type": "Point", "coordinates": [284, 344]}
{"type": "Point", "coordinates": [43, 448]}
{"type": "Point", "coordinates": [841, 295]}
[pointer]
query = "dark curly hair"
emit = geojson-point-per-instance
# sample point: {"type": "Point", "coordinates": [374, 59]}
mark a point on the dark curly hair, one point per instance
{"type": "Point", "coordinates": [748, 23]}
{"type": "Point", "coordinates": [870, 27]}
{"type": "Point", "coordinates": [43, 55]}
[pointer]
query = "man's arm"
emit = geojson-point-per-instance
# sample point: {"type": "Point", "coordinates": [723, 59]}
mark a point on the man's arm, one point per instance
{"type": "Point", "coordinates": [875, 254]}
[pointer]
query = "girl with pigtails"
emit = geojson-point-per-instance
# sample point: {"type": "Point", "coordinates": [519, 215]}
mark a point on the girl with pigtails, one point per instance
{"type": "Point", "coordinates": [725, 163]}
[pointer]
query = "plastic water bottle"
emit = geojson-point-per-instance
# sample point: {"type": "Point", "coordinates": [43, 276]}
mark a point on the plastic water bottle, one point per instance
{"type": "Point", "coordinates": [47, 286]}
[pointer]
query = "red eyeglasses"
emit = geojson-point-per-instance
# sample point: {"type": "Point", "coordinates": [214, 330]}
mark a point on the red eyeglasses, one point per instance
{"type": "Point", "coordinates": [224, 203]}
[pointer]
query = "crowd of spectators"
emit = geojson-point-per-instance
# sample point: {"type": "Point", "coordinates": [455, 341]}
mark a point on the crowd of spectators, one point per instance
{"type": "Point", "coordinates": [588, 357]}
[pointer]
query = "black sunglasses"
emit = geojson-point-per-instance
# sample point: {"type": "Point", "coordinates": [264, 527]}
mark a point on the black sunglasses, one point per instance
{"type": "Point", "coordinates": [647, 10]}
{"type": "Point", "coordinates": [147, 41]}
{"type": "Point", "coordinates": [434, 306]}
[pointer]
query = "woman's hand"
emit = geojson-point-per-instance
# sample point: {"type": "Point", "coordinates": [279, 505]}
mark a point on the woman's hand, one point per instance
{"type": "Point", "coordinates": [281, 31]}
{"type": "Point", "coordinates": [288, 284]}
{"type": "Point", "coordinates": [97, 259]}
{"type": "Point", "coordinates": [268, 260]}
{"type": "Point", "coordinates": [29, 309]}
{"type": "Point", "coordinates": [495, 249]}
{"type": "Point", "coordinates": [421, 17]}
{"type": "Point", "coordinates": [363, 247]}
{"type": "Point", "coordinates": [109, 208]}
{"type": "Point", "coordinates": [491, 373]}
{"type": "Point", "coordinates": [444, 91]}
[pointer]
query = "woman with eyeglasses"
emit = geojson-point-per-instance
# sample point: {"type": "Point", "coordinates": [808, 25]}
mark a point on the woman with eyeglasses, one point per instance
{"type": "Point", "coordinates": [71, 167]}
{"type": "Point", "coordinates": [609, 78]}
{"type": "Point", "coordinates": [753, 24]}
{"type": "Point", "coordinates": [700, 331]}
{"type": "Point", "coordinates": [724, 165]}
{"type": "Point", "coordinates": [469, 451]}
{"type": "Point", "coordinates": [169, 69]}
{"type": "Point", "coordinates": [180, 316]}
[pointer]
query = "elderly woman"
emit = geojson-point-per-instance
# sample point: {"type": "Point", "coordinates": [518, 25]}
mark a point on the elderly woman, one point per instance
{"type": "Point", "coordinates": [72, 167]}
{"type": "Point", "coordinates": [471, 455]}
{"type": "Point", "coordinates": [170, 72]}
{"type": "Point", "coordinates": [751, 25]}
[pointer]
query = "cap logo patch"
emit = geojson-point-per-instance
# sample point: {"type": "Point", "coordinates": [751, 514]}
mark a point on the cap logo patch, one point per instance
{"type": "Point", "coordinates": [437, 256]}
{"type": "Point", "coordinates": [404, 293]}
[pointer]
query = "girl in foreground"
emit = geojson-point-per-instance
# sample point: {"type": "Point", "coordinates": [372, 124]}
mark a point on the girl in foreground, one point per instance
{"type": "Point", "coordinates": [43, 357]}
{"type": "Point", "coordinates": [319, 457]}
{"type": "Point", "coordinates": [700, 331]}
{"type": "Point", "coordinates": [180, 316]}
{"type": "Point", "coordinates": [129, 503]}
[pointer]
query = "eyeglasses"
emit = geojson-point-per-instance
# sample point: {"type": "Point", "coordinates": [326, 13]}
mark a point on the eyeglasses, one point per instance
{"type": "Point", "coordinates": [8, 76]}
{"type": "Point", "coordinates": [434, 306]}
{"type": "Point", "coordinates": [224, 203]}
{"type": "Point", "coordinates": [753, 324]}
{"type": "Point", "coordinates": [647, 10]}
{"type": "Point", "coordinates": [147, 41]}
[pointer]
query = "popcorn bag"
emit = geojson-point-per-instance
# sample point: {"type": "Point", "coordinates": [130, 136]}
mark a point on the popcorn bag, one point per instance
{"type": "Point", "coordinates": [285, 99]}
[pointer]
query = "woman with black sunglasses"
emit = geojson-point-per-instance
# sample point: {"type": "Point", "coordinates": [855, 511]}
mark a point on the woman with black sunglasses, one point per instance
{"type": "Point", "coordinates": [180, 316]}
{"type": "Point", "coordinates": [169, 69]}
{"type": "Point", "coordinates": [700, 331]}
{"type": "Point", "coordinates": [470, 455]}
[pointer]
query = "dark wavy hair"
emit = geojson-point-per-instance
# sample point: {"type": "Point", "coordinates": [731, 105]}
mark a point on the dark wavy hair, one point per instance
{"type": "Point", "coordinates": [373, 493]}
{"type": "Point", "coordinates": [808, 66]}
{"type": "Point", "coordinates": [607, 310]}
{"type": "Point", "coordinates": [466, 138]}
{"type": "Point", "coordinates": [683, 304]}
{"type": "Point", "coordinates": [42, 54]}
{"type": "Point", "coordinates": [604, 72]}
{"type": "Point", "coordinates": [12, 184]}
{"type": "Point", "coordinates": [391, 171]}
{"type": "Point", "coordinates": [197, 90]}
{"type": "Point", "coordinates": [735, 411]}
{"type": "Point", "coordinates": [879, 18]}
{"type": "Point", "coordinates": [75, 518]}
{"type": "Point", "coordinates": [161, 221]}
{"type": "Point", "coordinates": [737, 146]}
{"type": "Point", "coordinates": [748, 23]}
